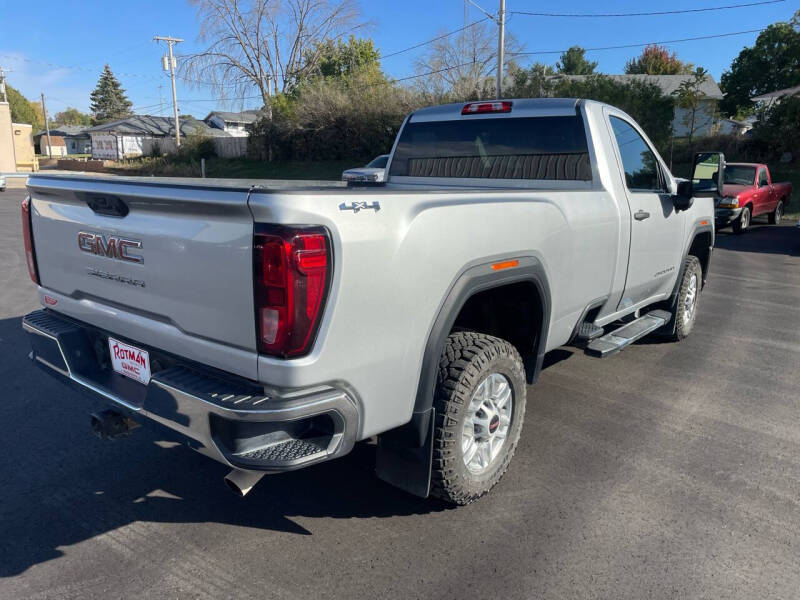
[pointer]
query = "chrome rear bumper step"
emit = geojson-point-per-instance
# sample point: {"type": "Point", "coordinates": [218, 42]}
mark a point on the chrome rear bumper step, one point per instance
{"type": "Point", "coordinates": [234, 422]}
{"type": "Point", "coordinates": [613, 342]}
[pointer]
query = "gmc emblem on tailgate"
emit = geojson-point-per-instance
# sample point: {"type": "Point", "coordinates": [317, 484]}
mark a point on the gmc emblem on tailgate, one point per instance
{"type": "Point", "coordinates": [111, 246]}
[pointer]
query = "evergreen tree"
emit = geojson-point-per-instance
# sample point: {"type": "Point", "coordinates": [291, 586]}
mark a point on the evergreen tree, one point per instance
{"type": "Point", "coordinates": [574, 62]}
{"type": "Point", "coordinates": [108, 100]}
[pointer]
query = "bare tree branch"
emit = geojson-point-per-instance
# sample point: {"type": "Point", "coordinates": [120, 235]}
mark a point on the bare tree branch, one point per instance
{"type": "Point", "coordinates": [463, 66]}
{"type": "Point", "coordinates": [250, 43]}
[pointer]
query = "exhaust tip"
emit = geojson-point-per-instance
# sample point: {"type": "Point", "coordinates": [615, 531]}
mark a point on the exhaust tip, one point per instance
{"type": "Point", "coordinates": [110, 424]}
{"type": "Point", "coordinates": [241, 482]}
{"type": "Point", "coordinates": [234, 488]}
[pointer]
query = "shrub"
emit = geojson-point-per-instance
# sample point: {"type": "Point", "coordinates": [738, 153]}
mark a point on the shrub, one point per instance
{"type": "Point", "coordinates": [196, 146]}
{"type": "Point", "coordinates": [780, 127]}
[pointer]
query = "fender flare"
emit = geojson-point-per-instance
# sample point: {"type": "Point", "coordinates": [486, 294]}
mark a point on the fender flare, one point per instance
{"type": "Point", "coordinates": [472, 280]}
{"type": "Point", "coordinates": [404, 454]}
{"type": "Point", "coordinates": [673, 298]}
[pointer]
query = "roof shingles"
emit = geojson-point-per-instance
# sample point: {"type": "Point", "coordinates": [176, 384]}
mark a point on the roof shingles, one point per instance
{"type": "Point", "coordinates": [156, 127]}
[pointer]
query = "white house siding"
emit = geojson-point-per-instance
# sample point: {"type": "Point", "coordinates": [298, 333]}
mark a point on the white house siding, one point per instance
{"type": "Point", "coordinates": [236, 129]}
{"type": "Point", "coordinates": [78, 145]}
{"type": "Point", "coordinates": [132, 145]}
{"type": "Point", "coordinates": [703, 119]}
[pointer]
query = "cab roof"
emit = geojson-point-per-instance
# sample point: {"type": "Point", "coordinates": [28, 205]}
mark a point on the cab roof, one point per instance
{"type": "Point", "coordinates": [525, 107]}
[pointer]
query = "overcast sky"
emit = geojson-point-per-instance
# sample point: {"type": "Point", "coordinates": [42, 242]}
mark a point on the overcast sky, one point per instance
{"type": "Point", "coordinates": [59, 48]}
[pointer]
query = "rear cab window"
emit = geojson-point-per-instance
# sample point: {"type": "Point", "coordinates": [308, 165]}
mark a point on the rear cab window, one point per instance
{"type": "Point", "coordinates": [543, 148]}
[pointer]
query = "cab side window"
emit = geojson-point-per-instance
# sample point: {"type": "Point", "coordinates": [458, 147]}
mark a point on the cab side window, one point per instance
{"type": "Point", "coordinates": [762, 177]}
{"type": "Point", "coordinates": [638, 160]}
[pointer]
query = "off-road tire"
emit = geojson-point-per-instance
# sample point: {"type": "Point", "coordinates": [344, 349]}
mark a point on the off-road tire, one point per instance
{"type": "Point", "coordinates": [776, 215]}
{"type": "Point", "coordinates": [468, 358]}
{"type": "Point", "coordinates": [691, 267]}
{"type": "Point", "coordinates": [742, 224]}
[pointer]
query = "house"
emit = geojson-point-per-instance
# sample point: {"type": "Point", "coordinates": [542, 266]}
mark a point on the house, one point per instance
{"type": "Point", "coordinates": [669, 84]}
{"type": "Point", "coordinates": [235, 123]}
{"type": "Point", "coordinates": [140, 134]}
{"type": "Point", "coordinates": [16, 144]}
{"type": "Point", "coordinates": [57, 148]}
{"type": "Point", "coordinates": [76, 138]}
{"type": "Point", "coordinates": [767, 100]}
{"type": "Point", "coordinates": [734, 127]}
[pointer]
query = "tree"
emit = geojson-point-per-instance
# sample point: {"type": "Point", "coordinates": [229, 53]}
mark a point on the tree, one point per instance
{"type": "Point", "coordinates": [574, 62]}
{"type": "Point", "coordinates": [463, 67]}
{"type": "Point", "coordinates": [108, 100]}
{"type": "Point", "coordinates": [251, 43]}
{"type": "Point", "coordinates": [643, 100]}
{"type": "Point", "coordinates": [657, 60]}
{"type": "Point", "coordinates": [342, 59]}
{"type": "Point", "coordinates": [22, 109]}
{"type": "Point", "coordinates": [779, 129]}
{"type": "Point", "coordinates": [772, 63]}
{"type": "Point", "coordinates": [72, 116]}
{"type": "Point", "coordinates": [688, 97]}
{"type": "Point", "coordinates": [533, 82]}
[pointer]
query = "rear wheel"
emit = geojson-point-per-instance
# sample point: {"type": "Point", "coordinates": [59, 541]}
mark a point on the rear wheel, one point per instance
{"type": "Point", "coordinates": [776, 215]}
{"type": "Point", "coordinates": [480, 406]}
{"type": "Point", "coordinates": [741, 224]}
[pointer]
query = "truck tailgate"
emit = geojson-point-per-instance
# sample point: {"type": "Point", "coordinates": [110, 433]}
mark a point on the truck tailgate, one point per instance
{"type": "Point", "coordinates": [172, 253]}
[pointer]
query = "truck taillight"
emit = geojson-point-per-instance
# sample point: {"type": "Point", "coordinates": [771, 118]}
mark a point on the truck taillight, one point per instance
{"type": "Point", "coordinates": [292, 273]}
{"type": "Point", "coordinates": [481, 108]}
{"type": "Point", "coordinates": [27, 236]}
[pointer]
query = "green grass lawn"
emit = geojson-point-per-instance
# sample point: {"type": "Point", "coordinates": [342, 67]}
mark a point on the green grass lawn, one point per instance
{"type": "Point", "coordinates": [235, 168]}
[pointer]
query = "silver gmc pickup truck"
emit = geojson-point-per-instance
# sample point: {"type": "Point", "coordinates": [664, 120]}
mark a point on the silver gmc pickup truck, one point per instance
{"type": "Point", "coordinates": [273, 325]}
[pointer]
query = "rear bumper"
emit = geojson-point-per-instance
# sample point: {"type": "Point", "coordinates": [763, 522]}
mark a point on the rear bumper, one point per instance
{"type": "Point", "coordinates": [229, 419]}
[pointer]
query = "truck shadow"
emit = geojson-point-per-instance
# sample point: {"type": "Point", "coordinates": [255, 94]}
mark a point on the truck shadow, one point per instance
{"type": "Point", "coordinates": [768, 239]}
{"type": "Point", "coordinates": [62, 486]}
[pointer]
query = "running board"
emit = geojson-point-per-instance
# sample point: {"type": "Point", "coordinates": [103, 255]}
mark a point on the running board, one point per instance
{"type": "Point", "coordinates": [613, 342]}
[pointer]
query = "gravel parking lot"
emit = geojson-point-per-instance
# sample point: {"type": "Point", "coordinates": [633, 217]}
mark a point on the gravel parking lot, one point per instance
{"type": "Point", "coordinates": [668, 471]}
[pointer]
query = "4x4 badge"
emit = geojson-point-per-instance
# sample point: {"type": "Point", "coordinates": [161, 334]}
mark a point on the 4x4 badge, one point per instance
{"type": "Point", "coordinates": [360, 205]}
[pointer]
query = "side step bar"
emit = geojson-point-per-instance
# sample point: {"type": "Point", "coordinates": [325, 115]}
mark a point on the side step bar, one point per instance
{"type": "Point", "coordinates": [613, 342]}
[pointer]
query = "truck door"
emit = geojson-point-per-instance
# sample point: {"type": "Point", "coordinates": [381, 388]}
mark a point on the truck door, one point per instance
{"type": "Point", "coordinates": [656, 228]}
{"type": "Point", "coordinates": [763, 196]}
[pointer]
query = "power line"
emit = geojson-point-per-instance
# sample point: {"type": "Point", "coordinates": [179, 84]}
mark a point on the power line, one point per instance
{"type": "Point", "coordinates": [644, 14]}
{"type": "Point", "coordinates": [436, 39]}
{"type": "Point", "coordinates": [689, 39]}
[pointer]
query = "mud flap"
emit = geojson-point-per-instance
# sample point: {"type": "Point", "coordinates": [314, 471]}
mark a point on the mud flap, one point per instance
{"type": "Point", "coordinates": [405, 455]}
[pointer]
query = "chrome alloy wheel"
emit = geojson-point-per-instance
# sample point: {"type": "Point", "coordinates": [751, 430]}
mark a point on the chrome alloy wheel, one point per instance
{"type": "Point", "coordinates": [487, 423]}
{"type": "Point", "coordinates": [690, 302]}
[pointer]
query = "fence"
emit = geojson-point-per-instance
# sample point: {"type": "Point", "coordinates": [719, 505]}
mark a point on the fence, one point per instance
{"type": "Point", "coordinates": [224, 147]}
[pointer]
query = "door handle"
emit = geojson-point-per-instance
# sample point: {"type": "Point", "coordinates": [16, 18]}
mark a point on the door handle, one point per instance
{"type": "Point", "coordinates": [641, 215]}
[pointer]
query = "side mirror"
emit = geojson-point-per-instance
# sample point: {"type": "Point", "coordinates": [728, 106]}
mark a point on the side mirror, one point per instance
{"type": "Point", "coordinates": [684, 199]}
{"type": "Point", "coordinates": [708, 174]}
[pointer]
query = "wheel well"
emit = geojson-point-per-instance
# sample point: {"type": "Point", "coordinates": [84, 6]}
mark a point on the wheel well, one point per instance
{"type": "Point", "coordinates": [701, 248]}
{"type": "Point", "coordinates": [513, 312]}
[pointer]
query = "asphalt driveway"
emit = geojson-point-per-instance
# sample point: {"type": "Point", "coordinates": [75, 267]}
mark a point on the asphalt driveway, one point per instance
{"type": "Point", "coordinates": [668, 471]}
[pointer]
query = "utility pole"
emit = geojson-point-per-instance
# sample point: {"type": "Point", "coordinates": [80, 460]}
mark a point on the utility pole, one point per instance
{"type": "Point", "coordinates": [500, 21]}
{"type": "Point", "coordinates": [47, 129]}
{"type": "Point", "coordinates": [501, 42]}
{"type": "Point", "coordinates": [3, 84]}
{"type": "Point", "coordinates": [170, 41]}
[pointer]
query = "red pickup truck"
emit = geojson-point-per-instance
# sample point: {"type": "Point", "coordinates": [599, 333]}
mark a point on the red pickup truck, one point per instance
{"type": "Point", "coordinates": [748, 192]}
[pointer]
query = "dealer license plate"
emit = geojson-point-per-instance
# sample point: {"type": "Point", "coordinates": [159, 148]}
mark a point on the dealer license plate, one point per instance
{"type": "Point", "coordinates": [130, 361]}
